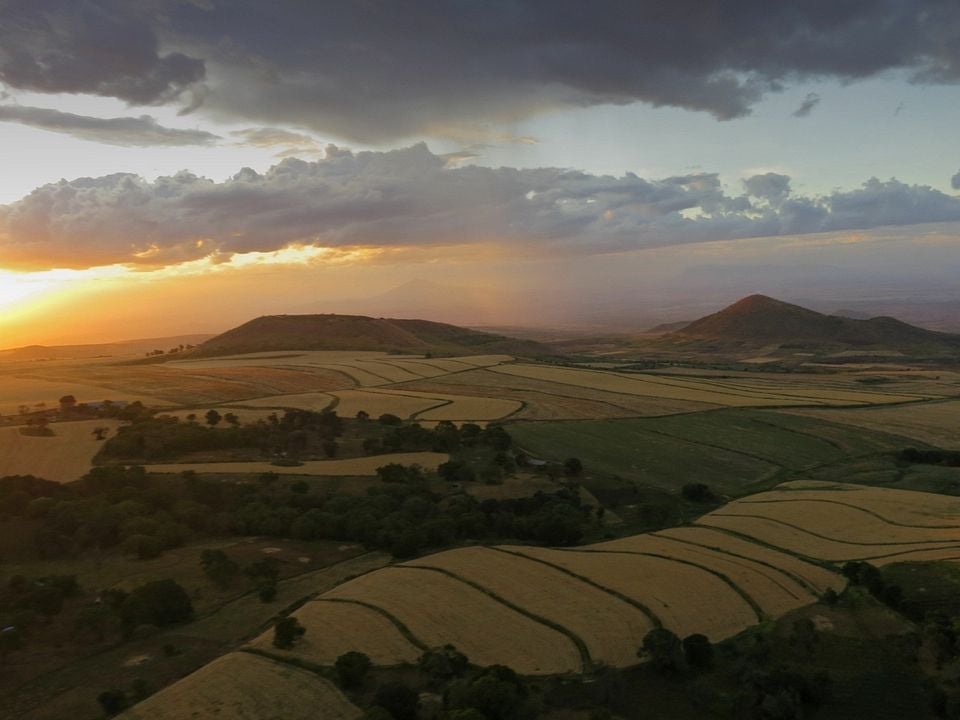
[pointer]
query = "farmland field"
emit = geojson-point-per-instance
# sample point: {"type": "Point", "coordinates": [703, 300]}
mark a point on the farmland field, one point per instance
{"type": "Point", "coordinates": [439, 610]}
{"type": "Point", "coordinates": [63, 457]}
{"type": "Point", "coordinates": [728, 450]}
{"type": "Point", "coordinates": [350, 466]}
{"type": "Point", "coordinates": [244, 686]}
{"type": "Point", "coordinates": [333, 630]}
{"type": "Point", "coordinates": [935, 423]}
{"type": "Point", "coordinates": [733, 393]}
{"type": "Point", "coordinates": [839, 523]}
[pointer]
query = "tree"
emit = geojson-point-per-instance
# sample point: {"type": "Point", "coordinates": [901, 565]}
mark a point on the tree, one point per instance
{"type": "Point", "coordinates": [698, 651]}
{"type": "Point", "coordinates": [231, 419]}
{"type": "Point", "coordinates": [267, 591]}
{"type": "Point", "coordinates": [218, 567]}
{"type": "Point", "coordinates": [161, 602]}
{"type": "Point", "coordinates": [100, 433]}
{"type": "Point", "coordinates": [363, 415]}
{"type": "Point", "coordinates": [398, 699]}
{"type": "Point", "coordinates": [390, 419]}
{"type": "Point", "coordinates": [572, 467]}
{"type": "Point", "coordinates": [663, 648]}
{"type": "Point", "coordinates": [113, 701]}
{"type": "Point", "coordinates": [330, 448]}
{"type": "Point", "coordinates": [698, 493]}
{"type": "Point", "coordinates": [212, 417]}
{"type": "Point", "coordinates": [67, 403]}
{"type": "Point", "coordinates": [445, 663]}
{"type": "Point", "coordinates": [352, 668]}
{"type": "Point", "coordinates": [286, 633]}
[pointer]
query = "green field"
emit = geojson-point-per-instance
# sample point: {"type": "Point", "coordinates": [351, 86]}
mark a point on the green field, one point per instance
{"type": "Point", "coordinates": [732, 451]}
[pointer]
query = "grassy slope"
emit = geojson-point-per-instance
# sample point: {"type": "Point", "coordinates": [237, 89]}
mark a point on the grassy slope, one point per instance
{"type": "Point", "coordinates": [730, 450]}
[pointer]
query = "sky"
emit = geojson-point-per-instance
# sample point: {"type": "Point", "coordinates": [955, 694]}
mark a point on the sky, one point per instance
{"type": "Point", "coordinates": [180, 166]}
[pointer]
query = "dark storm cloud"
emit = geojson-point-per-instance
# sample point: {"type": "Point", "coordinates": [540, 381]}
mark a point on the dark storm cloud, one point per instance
{"type": "Point", "coordinates": [107, 48]}
{"type": "Point", "coordinates": [807, 106]}
{"type": "Point", "coordinates": [378, 69]}
{"type": "Point", "coordinates": [412, 197]}
{"type": "Point", "coordinates": [140, 131]}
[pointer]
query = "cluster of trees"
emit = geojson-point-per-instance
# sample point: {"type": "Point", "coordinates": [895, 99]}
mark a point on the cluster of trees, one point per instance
{"type": "Point", "coordinates": [24, 601]}
{"type": "Point", "coordinates": [294, 433]}
{"type": "Point", "coordinates": [223, 572]}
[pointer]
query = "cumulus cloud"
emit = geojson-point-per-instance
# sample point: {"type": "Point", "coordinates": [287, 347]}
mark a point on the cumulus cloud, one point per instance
{"type": "Point", "coordinates": [373, 71]}
{"type": "Point", "coordinates": [770, 187]}
{"type": "Point", "coordinates": [955, 181]}
{"type": "Point", "coordinates": [100, 47]}
{"type": "Point", "coordinates": [125, 131]}
{"type": "Point", "coordinates": [807, 106]}
{"type": "Point", "coordinates": [411, 198]}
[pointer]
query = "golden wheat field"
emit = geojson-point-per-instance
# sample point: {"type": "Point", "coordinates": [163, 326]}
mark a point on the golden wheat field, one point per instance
{"type": "Point", "coordinates": [937, 423]}
{"type": "Point", "coordinates": [243, 686]}
{"type": "Point", "coordinates": [905, 507]}
{"type": "Point", "coordinates": [686, 599]}
{"type": "Point", "coordinates": [815, 578]}
{"type": "Point", "coordinates": [63, 457]}
{"type": "Point", "coordinates": [842, 522]}
{"type": "Point", "coordinates": [335, 628]}
{"type": "Point", "coordinates": [771, 591]}
{"type": "Point", "coordinates": [439, 610]}
{"type": "Point", "coordinates": [347, 466]}
{"type": "Point", "coordinates": [611, 628]}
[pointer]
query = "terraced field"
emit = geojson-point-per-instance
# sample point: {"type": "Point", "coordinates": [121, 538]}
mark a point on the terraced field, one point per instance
{"type": "Point", "coordinates": [547, 611]}
{"type": "Point", "coordinates": [243, 686]}
{"type": "Point", "coordinates": [834, 522]}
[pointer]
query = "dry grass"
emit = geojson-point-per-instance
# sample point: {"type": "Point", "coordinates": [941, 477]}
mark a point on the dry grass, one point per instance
{"type": "Point", "coordinates": [545, 400]}
{"type": "Point", "coordinates": [687, 599]}
{"type": "Point", "coordinates": [316, 401]}
{"type": "Point", "coordinates": [17, 391]}
{"type": "Point", "coordinates": [350, 402]}
{"type": "Point", "coordinates": [611, 628]}
{"type": "Point", "coordinates": [348, 466]}
{"type": "Point", "coordinates": [814, 576]}
{"type": "Point", "coordinates": [63, 457]}
{"type": "Point", "coordinates": [173, 384]}
{"type": "Point", "coordinates": [242, 686]}
{"type": "Point", "coordinates": [934, 422]}
{"type": "Point", "coordinates": [334, 628]}
{"type": "Point", "coordinates": [440, 610]}
{"type": "Point", "coordinates": [731, 393]}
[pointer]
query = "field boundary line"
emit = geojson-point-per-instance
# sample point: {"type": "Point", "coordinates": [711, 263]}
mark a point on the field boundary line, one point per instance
{"type": "Point", "coordinates": [826, 537]}
{"type": "Point", "coordinates": [399, 624]}
{"type": "Point", "coordinates": [747, 501]}
{"type": "Point", "coordinates": [746, 563]}
{"type": "Point", "coordinates": [651, 616]}
{"type": "Point", "coordinates": [586, 661]}
{"type": "Point", "coordinates": [803, 582]}
{"type": "Point", "coordinates": [744, 595]}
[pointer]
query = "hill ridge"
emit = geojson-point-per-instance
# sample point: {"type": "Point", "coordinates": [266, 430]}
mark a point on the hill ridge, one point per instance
{"type": "Point", "coordinates": [331, 331]}
{"type": "Point", "coordinates": [761, 320]}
